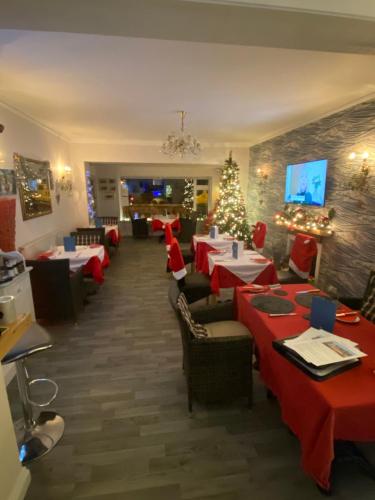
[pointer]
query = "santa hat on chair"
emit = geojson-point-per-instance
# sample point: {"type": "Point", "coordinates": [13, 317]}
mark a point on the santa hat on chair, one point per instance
{"type": "Point", "coordinates": [176, 261]}
{"type": "Point", "coordinates": [303, 251]}
{"type": "Point", "coordinates": [259, 236]}
{"type": "Point", "coordinates": [168, 236]}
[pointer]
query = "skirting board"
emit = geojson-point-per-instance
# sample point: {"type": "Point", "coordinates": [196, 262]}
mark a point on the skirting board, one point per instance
{"type": "Point", "coordinates": [21, 485]}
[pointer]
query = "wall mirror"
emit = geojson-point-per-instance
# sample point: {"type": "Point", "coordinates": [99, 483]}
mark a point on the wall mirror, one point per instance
{"type": "Point", "coordinates": [34, 183]}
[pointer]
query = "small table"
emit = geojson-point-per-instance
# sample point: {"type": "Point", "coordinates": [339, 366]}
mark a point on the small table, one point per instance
{"type": "Point", "coordinates": [203, 244]}
{"type": "Point", "coordinates": [251, 267]}
{"type": "Point", "coordinates": [318, 413]}
{"type": "Point", "coordinates": [80, 256]}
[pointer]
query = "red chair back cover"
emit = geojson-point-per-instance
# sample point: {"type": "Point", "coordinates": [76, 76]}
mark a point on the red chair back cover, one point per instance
{"type": "Point", "coordinates": [303, 251]}
{"type": "Point", "coordinates": [168, 235]}
{"type": "Point", "coordinates": [176, 261]}
{"type": "Point", "coordinates": [259, 235]}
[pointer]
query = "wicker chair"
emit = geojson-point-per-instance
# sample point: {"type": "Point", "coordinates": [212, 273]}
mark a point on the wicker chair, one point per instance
{"type": "Point", "coordinates": [58, 294]}
{"type": "Point", "coordinates": [366, 304]}
{"type": "Point", "coordinates": [219, 367]}
{"type": "Point", "coordinates": [195, 286]}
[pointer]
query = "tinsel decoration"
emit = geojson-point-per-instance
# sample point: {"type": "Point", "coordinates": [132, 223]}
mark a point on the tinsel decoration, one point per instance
{"type": "Point", "coordinates": [90, 196]}
{"type": "Point", "coordinates": [303, 219]}
{"type": "Point", "coordinates": [230, 214]}
{"type": "Point", "coordinates": [188, 201]}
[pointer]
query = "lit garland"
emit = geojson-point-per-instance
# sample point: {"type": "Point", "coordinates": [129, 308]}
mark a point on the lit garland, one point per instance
{"type": "Point", "coordinates": [90, 196]}
{"type": "Point", "coordinates": [188, 201]}
{"type": "Point", "coordinates": [230, 213]}
{"type": "Point", "coordinates": [302, 219]}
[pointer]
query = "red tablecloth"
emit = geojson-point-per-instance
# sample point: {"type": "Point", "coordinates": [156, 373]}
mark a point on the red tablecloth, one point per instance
{"type": "Point", "coordinates": [201, 260]}
{"type": "Point", "coordinates": [342, 407]}
{"type": "Point", "coordinates": [113, 237]}
{"type": "Point", "coordinates": [158, 225]}
{"type": "Point", "coordinates": [223, 278]}
{"type": "Point", "coordinates": [94, 267]}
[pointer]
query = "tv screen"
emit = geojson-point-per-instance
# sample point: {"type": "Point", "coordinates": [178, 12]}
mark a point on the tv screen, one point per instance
{"type": "Point", "coordinates": [306, 183]}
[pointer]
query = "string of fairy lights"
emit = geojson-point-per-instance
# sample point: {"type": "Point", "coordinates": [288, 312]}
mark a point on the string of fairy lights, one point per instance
{"type": "Point", "coordinates": [230, 213]}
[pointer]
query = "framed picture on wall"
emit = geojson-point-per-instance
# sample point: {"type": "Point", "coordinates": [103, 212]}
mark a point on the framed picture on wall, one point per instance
{"type": "Point", "coordinates": [33, 186]}
{"type": "Point", "coordinates": [7, 182]}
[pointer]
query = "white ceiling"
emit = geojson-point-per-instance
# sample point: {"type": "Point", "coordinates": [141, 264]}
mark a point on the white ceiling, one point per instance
{"type": "Point", "coordinates": [93, 88]}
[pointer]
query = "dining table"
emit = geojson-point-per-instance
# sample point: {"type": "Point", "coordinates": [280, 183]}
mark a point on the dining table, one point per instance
{"type": "Point", "coordinates": [202, 244]}
{"type": "Point", "coordinates": [320, 413]}
{"type": "Point", "coordinates": [228, 272]}
{"type": "Point", "coordinates": [91, 258]}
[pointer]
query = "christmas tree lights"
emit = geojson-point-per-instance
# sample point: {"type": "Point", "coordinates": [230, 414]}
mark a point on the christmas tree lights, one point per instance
{"type": "Point", "coordinates": [230, 214]}
{"type": "Point", "coordinates": [188, 201]}
{"type": "Point", "coordinates": [90, 196]}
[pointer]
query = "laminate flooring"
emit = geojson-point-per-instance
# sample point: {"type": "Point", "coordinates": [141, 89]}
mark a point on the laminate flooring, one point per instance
{"type": "Point", "coordinates": [128, 433]}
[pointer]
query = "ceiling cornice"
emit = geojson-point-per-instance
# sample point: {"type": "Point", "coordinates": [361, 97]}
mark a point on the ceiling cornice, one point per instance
{"type": "Point", "coordinates": [34, 121]}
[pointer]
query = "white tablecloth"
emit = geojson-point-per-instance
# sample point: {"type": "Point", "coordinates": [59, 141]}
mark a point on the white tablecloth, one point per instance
{"type": "Point", "coordinates": [80, 257]}
{"type": "Point", "coordinates": [219, 243]}
{"type": "Point", "coordinates": [165, 219]}
{"type": "Point", "coordinates": [246, 267]}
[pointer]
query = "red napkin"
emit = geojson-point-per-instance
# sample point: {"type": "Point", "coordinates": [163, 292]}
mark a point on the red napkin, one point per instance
{"type": "Point", "coordinates": [45, 255]}
{"type": "Point", "coordinates": [94, 245]}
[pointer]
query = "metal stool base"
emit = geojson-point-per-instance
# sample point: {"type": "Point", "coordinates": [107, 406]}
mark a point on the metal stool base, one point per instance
{"type": "Point", "coordinates": [42, 438]}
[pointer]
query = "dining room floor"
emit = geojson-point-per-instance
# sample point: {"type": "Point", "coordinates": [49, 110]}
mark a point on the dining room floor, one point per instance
{"type": "Point", "coordinates": [129, 435]}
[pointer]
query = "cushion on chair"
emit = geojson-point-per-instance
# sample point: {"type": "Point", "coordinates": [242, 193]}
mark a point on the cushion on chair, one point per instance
{"type": "Point", "coordinates": [226, 329]}
{"type": "Point", "coordinates": [34, 340]}
{"type": "Point", "coordinates": [289, 277]}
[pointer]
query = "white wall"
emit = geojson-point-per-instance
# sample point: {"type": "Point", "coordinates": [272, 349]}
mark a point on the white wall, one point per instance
{"type": "Point", "coordinates": [147, 161]}
{"type": "Point", "coordinates": [25, 137]}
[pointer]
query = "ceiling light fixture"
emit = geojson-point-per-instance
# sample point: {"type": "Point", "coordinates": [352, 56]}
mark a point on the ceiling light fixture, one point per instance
{"type": "Point", "coordinates": [180, 144]}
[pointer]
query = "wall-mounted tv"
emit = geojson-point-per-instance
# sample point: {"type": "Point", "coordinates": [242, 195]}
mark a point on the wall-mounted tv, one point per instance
{"type": "Point", "coordinates": [306, 183]}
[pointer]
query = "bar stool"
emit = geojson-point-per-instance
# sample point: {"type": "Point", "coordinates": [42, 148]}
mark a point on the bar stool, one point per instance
{"type": "Point", "coordinates": [41, 434]}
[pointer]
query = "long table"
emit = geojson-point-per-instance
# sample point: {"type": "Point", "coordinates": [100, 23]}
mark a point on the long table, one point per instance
{"type": "Point", "coordinates": [340, 408]}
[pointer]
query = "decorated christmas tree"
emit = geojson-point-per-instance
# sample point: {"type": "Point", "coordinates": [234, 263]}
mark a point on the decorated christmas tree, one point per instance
{"type": "Point", "coordinates": [188, 201]}
{"type": "Point", "coordinates": [90, 196]}
{"type": "Point", "coordinates": [230, 214]}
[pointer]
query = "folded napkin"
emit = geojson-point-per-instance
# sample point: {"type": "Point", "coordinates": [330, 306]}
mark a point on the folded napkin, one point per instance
{"type": "Point", "coordinates": [94, 245]}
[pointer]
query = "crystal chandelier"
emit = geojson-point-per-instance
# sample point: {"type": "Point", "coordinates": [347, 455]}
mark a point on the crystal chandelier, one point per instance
{"type": "Point", "coordinates": [181, 144]}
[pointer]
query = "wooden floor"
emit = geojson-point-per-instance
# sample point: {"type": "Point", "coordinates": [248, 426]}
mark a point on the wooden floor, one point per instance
{"type": "Point", "coordinates": [128, 432]}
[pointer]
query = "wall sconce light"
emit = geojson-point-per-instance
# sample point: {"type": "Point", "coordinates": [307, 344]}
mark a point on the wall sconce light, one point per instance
{"type": "Point", "coordinates": [359, 181]}
{"type": "Point", "coordinates": [64, 184]}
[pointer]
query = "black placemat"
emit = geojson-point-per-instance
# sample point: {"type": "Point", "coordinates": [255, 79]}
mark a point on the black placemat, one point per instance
{"type": "Point", "coordinates": [271, 304]}
{"type": "Point", "coordinates": [280, 292]}
{"type": "Point", "coordinates": [305, 299]}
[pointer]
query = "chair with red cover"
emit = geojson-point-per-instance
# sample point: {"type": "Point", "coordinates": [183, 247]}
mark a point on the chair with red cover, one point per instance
{"type": "Point", "coordinates": [259, 236]}
{"type": "Point", "coordinates": [186, 253]}
{"type": "Point", "coordinates": [300, 261]}
{"type": "Point", "coordinates": [195, 286]}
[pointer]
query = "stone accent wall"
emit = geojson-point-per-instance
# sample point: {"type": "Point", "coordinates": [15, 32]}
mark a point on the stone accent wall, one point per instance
{"type": "Point", "coordinates": [349, 254]}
